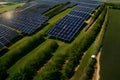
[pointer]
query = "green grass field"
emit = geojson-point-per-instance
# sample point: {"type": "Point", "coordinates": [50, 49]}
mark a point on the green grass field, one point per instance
{"type": "Point", "coordinates": [110, 57]}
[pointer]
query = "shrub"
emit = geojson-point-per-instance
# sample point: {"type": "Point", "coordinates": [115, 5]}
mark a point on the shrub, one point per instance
{"type": "Point", "coordinates": [51, 71]}
{"type": "Point", "coordinates": [25, 46]}
{"type": "Point", "coordinates": [91, 69]}
{"type": "Point", "coordinates": [32, 62]}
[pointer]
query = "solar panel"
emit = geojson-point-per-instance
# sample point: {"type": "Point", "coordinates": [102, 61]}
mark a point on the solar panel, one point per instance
{"type": "Point", "coordinates": [88, 5]}
{"type": "Point", "coordinates": [1, 46]}
{"type": "Point", "coordinates": [27, 23]}
{"type": "Point", "coordinates": [7, 35]}
{"type": "Point", "coordinates": [4, 41]}
{"type": "Point", "coordinates": [79, 14]}
{"type": "Point", "coordinates": [68, 26]}
{"type": "Point", "coordinates": [83, 9]}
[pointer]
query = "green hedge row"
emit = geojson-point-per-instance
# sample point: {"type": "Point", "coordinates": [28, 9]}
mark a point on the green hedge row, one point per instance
{"type": "Point", "coordinates": [18, 51]}
{"type": "Point", "coordinates": [51, 71]}
{"type": "Point", "coordinates": [91, 70]}
{"type": "Point", "coordinates": [96, 15]}
{"type": "Point", "coordinates": [78, 48]}
{"type": "Point", "coordinates": [27, 66]}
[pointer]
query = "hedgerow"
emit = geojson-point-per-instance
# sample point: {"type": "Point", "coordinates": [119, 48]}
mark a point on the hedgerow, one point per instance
{"type": "Point", "coordinates": [27, 66]}
{"type": "Point", "coordinates": [51, 71]}
{"type": "Point", "coordinates": [19, 50]}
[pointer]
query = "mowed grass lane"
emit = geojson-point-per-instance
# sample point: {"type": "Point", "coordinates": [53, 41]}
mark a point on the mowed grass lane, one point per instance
{"type": "Point", "coordinates": [110, 57]}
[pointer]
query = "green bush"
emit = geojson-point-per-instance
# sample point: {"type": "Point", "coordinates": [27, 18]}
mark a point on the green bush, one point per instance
{"type": "Point", "coordinates": [91, 69]}
{"type": "Point", "coordinates": [32, 62]}
{"type": "Point", "coordinates": [100, 9]}
{"type": "Point", "coordinates": [51, 71]}
{"type": "Point", "coordinates": [25, 46]}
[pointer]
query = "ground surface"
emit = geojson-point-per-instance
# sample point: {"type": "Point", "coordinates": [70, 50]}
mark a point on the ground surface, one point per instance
{"type": "Point", "coordinates": [110, 57]}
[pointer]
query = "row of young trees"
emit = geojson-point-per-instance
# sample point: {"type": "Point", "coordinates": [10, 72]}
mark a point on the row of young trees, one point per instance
{"type": "Point", "coordinates": [27, 66]}
{"type": "Point", "coordinates": [91, 69]}
{"type": "Point", "coordinates": [52, 70]}
{"type": "Point", "coordinates": [22, 48]}
{"type": "Point", "coordinates": [99, 10]}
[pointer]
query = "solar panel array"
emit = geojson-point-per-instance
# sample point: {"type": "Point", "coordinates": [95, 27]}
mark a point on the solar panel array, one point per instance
{"type": "Point", "coordinates": [29, 19]}
{"type": "Point", "coordinates": [68, 26]}
{"type": "Point", "coordinates": [6, 35]}
{"type": "Point", "coordinates": [79, 14]}
{"type": "Point", "coordinates": [26, 23]}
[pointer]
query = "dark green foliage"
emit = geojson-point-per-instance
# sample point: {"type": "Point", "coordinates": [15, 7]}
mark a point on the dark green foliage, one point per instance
{"type": "Point", "coordinates": [3, 73]}
{"type": "Point", "coordinates": [51, 71]}
{"type": "Point", "coordinates": [4, 50]}
{"type": "Point", "coordinates": [91, 69]}
{"type": "Point", "coordinates": [100, 9]}
{"type": "Point", "coordinates": [15, 54]}
{"type": "Point", "coordinates": [32, 62]}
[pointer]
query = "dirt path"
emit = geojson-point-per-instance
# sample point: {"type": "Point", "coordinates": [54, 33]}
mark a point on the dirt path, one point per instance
{"type": "Point", "coordinates": [97, 70]}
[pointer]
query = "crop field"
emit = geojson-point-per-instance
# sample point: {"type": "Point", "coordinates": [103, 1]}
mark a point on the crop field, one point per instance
{"type": "Point", "coordinates": [110, 55]}
{"type": "Point", "coordinates": [54, 41]}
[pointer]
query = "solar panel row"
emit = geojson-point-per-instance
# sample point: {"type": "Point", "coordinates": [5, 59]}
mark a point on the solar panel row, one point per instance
{"type": "Point", "coordinates": [67, 27]}
{"type": "Point", "coordinates": [29, 19]}
{"type": "Point", "coordinates": [44, 5]}
{"type": "Point", "coordinates": [89, 5]}
{"type": "Point", "coordinates": [3, 40]}
{"type": "Point", "coordinates": [83, 9]}
{"type": "Point", "coordinates": [79, 14]}
{"type": "Point", "coordinates": [6, 35]}
{"type": "Point", "coordinates": [92, 2]}
{"type": "Point", "coordinates": [87, 1]}
{"type": "Point", "coordinates": [28, 23]}
{"type": "Point", "coordinates": [1, 46]}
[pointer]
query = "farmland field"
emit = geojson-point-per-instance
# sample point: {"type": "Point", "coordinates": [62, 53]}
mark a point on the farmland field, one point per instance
{"type": "Point", "coordinates": [110, 66]}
